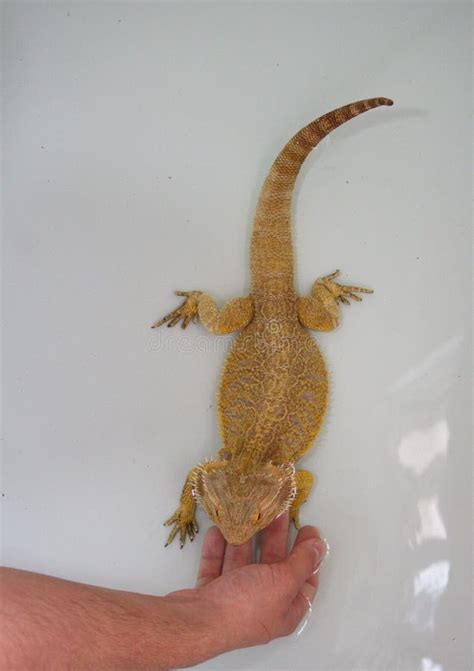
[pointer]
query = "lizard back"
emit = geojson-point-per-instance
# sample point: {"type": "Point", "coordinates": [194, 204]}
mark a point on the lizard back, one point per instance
{"type": "Point", "coordinates": [274, 387]}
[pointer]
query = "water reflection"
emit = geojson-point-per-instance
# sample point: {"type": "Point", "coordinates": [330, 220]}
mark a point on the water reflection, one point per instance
{"type": "Point", "coordinates": [428, 586]}
{"type": "Point", "coordinates": [440, 359]}
{"type": "Point", "coordinates": [305, 620]}
{"type": "Point", "coordinates": [419, 448]}
{"type": "Point", "coordinates": [427, 664]}
{"type": "Point", "coordinates": [431, 523]}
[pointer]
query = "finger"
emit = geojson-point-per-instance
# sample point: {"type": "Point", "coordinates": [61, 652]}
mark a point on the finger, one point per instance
{"type": "Point", "coordinates": [237, 556]}
{"type": "Point", "coordinates": [309, 532]}
{"type": "Point", "coordinates": [274, 540]}
{"type": "Point", "coordinates": [300, 606]}
{"type": "Point", "coordinates": [212, 556]}
{"type": "Point", "coordinates": [301, 603]}
{"type": "Point", "coordinates": [308, 590]}
{"type": "Point", "coordinates": [303, 560]}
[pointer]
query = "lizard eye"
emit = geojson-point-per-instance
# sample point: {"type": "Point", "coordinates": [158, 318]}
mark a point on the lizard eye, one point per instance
{"type": "Point", "coordinates": [258, 516]}
{"type": "Point", "coordinates": [216, 512]}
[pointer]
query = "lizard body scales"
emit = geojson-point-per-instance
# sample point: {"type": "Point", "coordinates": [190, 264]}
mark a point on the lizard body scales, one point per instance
{"type": "Point", "coordinates": [274, 387]}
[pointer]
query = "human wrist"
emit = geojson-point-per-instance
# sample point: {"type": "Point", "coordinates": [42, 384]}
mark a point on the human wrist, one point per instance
{"type": "Point", "coordinates": [194, 630]}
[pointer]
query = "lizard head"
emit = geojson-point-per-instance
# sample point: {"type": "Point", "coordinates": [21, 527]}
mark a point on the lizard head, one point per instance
{"type": "Point", "coordinates": [241, 504]}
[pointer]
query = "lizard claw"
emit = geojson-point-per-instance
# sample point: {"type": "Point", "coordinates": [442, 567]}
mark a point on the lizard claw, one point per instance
{"type": "Point", "coordinates": [187, 311]}
{"type": "Point", "coordinates": [183, 523]}
{"type": "Point", "coordinates": [295, 518]}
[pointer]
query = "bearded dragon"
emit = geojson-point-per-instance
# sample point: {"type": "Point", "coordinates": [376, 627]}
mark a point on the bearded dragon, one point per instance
{"type": "Point", "coordinates": [274, 387]}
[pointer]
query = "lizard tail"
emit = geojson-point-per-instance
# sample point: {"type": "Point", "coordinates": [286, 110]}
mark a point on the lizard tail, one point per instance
{"type": "Point", "coordinates": [271, 253]}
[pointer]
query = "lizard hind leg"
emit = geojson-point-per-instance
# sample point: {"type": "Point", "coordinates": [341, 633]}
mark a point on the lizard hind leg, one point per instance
{"type": "Point", "coordinates": [233, 316]}
{"type": "Point", "coordinates": [304, 484]}
{"type": "Point", "coordinates": [320, 310]}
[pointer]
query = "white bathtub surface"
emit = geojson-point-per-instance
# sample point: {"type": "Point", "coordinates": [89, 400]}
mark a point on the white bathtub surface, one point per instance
{"type": "Point", "coordinates": [136, 138]}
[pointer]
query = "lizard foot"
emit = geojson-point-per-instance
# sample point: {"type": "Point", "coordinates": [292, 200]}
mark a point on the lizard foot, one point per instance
{"type": "Point", "coordinates": [187, 311]}
{"type": "Point", "coordinates": [184, 523]}
{"type": "Point", "coordinates": [342, 292]}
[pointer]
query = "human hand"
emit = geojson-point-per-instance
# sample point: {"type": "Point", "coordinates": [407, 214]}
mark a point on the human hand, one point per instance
{"type": "Point", "coordinates": [52, 623]}
{"type": "Point", "coordinates": [245, 604]}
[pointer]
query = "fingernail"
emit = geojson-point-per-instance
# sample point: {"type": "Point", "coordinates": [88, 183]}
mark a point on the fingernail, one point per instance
{"type": "Point", "coordinates": [323, 551]}
{"type": "Point", "coordinates": [317, 549]}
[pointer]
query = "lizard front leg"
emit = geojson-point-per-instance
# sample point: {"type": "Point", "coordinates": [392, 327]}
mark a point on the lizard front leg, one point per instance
{"type": "Point", "coordinates": [233, 316]}
{"type": "Point", "coordinates": [184, 519]}
{"type": "Point", "coordinates": [320, 310]}
{"type": "Point", "coordinates": [304, 482]}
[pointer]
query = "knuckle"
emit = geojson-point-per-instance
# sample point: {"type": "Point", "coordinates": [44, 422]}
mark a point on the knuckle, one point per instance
{"type": "Point", "coordinates": [269, 575]}
{"type": "Point", "coordinates": [279, 575]}
{"type": "Point", "coordinates": [285, 581]}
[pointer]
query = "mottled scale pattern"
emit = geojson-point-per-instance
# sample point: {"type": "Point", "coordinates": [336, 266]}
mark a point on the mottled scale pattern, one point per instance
{"type": "Point", "coordinates": [273, 391]}
{"type": "Point", "coordinates": [271, 253]}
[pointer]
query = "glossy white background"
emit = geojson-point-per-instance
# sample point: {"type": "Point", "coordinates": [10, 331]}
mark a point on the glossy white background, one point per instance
{"type": "Point", "coordinates": [136, 138]}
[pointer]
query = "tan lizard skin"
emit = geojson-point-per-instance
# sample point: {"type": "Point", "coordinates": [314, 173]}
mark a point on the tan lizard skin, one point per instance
{"type": "Point", "coordinates": [274, 388]}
